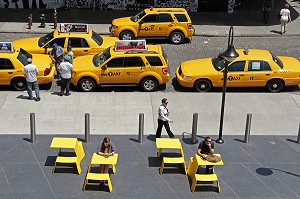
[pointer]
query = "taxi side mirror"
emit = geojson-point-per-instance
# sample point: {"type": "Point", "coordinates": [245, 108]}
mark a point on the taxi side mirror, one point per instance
{"type": "Point", "coordinates": [141, 22]}
{"type": "Point", "coordinates": [104, 67]}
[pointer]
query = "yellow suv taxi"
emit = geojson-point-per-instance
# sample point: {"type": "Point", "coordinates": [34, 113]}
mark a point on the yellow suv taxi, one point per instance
{"type": "Point", "coordinates": [82, 43]}
{"type": "Point", "coordinates": [128, 62]}
{"type": "Point", "coordinates": [12, 64]}
{"type": "Point", "coordinates": [172, 23]}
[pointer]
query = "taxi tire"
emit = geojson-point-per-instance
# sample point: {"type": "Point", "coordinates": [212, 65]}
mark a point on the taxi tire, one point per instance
{"type": "Point", "coordinates": [127, 34]}
{"type": "Point", "coordinates": [84, 81]}
{"type": "Point", "coordinates": [19, 83]}
{"type": "Point", "coordinates": [176, 37]}
{"type": "Point", "coordinates": [275, 85]}
{"type": "Point", "coordinates": [202, 85]}
{"type": "Point", "coordinates": [149, 84]}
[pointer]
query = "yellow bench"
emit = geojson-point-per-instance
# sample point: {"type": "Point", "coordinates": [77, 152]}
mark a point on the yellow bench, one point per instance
{"type": "Point", "coordinates": [205, 178]}
{"type": "Point", "coordinates": [172, 160]}
{"type": "Point", "coordinates": [98, 176]}
{"type": "Point", "coordinates": [70, 143]}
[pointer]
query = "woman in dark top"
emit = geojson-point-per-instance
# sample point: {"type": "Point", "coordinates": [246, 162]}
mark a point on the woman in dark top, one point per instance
{"type": "Point", "coordinates": [106, 148]}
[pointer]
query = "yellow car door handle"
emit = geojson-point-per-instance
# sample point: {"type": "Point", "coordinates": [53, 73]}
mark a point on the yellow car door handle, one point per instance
{"type": "Point", "coordinates": [10, 72]}
{"type": "Point", "coordinates": [267, 74]}
{"type": "Point", "coordinates": [85, 50]}
{"type": "Point", "coordinates": [241, 75]}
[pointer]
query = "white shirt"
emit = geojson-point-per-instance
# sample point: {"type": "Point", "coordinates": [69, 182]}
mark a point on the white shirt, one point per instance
{"type": "Point", "coordinates": [30, 71]}
{"type": "Point", "coordinates": [66, 69]}
{"type": "Point", "coordinates": [163, 113]}
{"type": "Point", "coordinates": [284, 14]}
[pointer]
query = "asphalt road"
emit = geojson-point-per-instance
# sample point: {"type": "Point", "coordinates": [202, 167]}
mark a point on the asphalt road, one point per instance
{"type": "Point", "coordinates": [200, 47]}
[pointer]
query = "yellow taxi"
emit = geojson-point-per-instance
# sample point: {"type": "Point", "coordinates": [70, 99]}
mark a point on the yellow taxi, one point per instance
{"type": "Point", "coordinates": [253, 68]}
{"type": "Point", "coordinates": [129, 62]}
{"type": "Point", "coordinates": [12, 64]}
{"type": "Point", "coordinates": [82, 42]}
{"type": "Point", "coordinates": [172, 23]}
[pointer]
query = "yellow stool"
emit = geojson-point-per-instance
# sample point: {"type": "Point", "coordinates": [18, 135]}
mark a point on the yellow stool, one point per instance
{"type": "Point", "coordinates": [172, 160]}
{"type": "Point", "coordinates": [98, 176]}
{"type": "Point", "coordinates": [204, 177]}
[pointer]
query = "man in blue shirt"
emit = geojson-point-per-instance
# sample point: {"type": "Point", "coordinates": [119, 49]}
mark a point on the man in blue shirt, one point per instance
{"type": "Point", "coordinates": [57, 56]}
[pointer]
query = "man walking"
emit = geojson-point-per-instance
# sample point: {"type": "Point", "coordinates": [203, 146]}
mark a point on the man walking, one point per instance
{"type": "Point", "coordinates": [267, 8]}
{"type": "Point", "coordinates": [57, 56]}
{"type": "Point", "coordinates": [65, 70]}
{"type": "Point", "coordinates": [163, 119]}
{"type": "Point", "coordinates": [30, 71]}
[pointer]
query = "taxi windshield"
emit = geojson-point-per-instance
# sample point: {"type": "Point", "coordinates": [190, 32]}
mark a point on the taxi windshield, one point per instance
{"type": "Point", "coordinates": [97, 38]}
{"type": "Point", "coordinates": [277, 61]}
{"type": "Point", "coordinates": [136, 17]}
{"type": "Point", "coordinates": [102, 57]}
{"type": "Point", "coordinates": [218, 62]}
{"type": "Point", "coordinates": [45, 39]}
{"type": "Point", "coordinates": [23, 56]}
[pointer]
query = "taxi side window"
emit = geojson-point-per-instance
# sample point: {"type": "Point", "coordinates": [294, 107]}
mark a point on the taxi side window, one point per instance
{"type": "Point", "coordinates": [181, 18]}
{"type": "Point", "coordinates": [134, 62]}
{"type": "Point", "coordinates": [259, 66]}
{"type": "Point", "coordinates": [237, 66]}
{"type": "Point", "coordinates": [164, 18]}
{"type": "Point", "coordinates": [115, 63]}
{"type": "Point", "coordinates": [78, 43]}
{"type": "Point", "coordinates": [154, 61]}
{"type": "Point", "coordinates": [58, 41]}
{"type": "Point", "coordinates": [5, 64]}
{"type": "Point", "coordinates": [149, 19]}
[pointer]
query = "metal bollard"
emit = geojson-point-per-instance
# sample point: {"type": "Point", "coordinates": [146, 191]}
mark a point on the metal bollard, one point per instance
{"type": "Point", "coordinates": [194, 128]}
{"type": "Point", "coordinates": [29, 23]}
{"type": "Point", "coordinates": [298, 139]}
{"type": "Point", "coordinates": [32, 128]}
{"type": "Point", "coordinates": [55, 22]}
{"type": "Point", "coordinates": [30, 15]}
{"type": "Point", "coordinates": [87, 128]}
{"type": "Point", "coordinates": [248, 127]}
{"type": "Point", "coordinates": [141, 127]}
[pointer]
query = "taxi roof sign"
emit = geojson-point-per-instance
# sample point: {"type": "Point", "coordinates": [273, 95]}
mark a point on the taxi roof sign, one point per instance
{"type": "Point", "coordinates": [124, 45]}
{"type": "Point", "coordinates": [71, 27]}
{"type": "Point", "coordinates": [6, 47]}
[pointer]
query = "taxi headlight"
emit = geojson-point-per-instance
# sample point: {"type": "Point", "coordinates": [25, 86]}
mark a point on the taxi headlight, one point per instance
{"type": "Point", "coordinates": [186, 77]}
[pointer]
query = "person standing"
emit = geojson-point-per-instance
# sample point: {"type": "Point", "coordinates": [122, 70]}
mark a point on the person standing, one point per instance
{"type": "Point", "coordinates": [66, 70]}
{"type": "Point", "coordinates": [206, 147]}
{"type": "Point", "coordinates": [163, 119]}
{"type": "Point", "coordinates": [267, 8]}
{"type": "Point", "coordinates": [285, 17]}
{"type": "Point", "coordinates": [30, 71]}
{"type": "Point", "coordinates": [57, 56]}
{"type": "Point", "coordinates": [70, 53]}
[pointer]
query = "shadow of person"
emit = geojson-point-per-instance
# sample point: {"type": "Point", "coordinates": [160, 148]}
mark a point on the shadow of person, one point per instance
{"type": "Point", "coordinates": [276, 31]}
{"type": "Point", "coordinates": [22, 97]}
{"type": "Point", "coordinates": [151, 138]}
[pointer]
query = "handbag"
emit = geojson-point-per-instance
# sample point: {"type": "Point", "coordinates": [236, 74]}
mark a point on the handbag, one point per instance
{"type": "Point", "coordinates": [213, 158]}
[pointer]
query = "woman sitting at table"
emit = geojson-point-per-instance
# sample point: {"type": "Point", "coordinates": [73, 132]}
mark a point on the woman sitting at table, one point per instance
{"type": "Point", "coordinates": [106, 148]}
{"type": "Point", "coordinates": [206, 147]}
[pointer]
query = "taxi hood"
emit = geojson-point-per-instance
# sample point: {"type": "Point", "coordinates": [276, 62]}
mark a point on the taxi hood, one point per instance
{"type": "Point", "coordinates": [30, 44]}
{"type": "Point", "coordinates": [290, 63]}
{"type": "Point", "coordinates": [83, 63]}
{"type": "Point", "coordinates": [124, 21]}
{"type": "Point", "coordinates": [198, 67]}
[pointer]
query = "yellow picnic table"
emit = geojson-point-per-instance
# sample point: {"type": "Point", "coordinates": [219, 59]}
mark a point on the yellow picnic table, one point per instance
{"type": "Point", "coordinates": [168, 143]}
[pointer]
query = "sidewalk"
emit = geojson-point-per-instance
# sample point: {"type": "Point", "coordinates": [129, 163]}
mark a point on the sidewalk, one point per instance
{"type": "Point", "coordinates": [246, 21]}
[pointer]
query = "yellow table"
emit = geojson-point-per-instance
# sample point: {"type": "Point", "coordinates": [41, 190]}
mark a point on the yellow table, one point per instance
{"type": "Point", "coordinates": [202, 162]}
{"type": "Point", "coordinates": [68, 143]}
{"type": "Point", "coordinates": [99, 159]}
{"type": "Point", "coordinates": [168, 143]}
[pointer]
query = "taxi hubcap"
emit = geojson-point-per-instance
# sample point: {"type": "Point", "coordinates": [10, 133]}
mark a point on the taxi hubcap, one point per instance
{"type": "Point", "coordinates": [20, 84]}
{"type": "Point", "coordinates": [87, 85]}
{"type": "Point", "coordinates": [203, 86]}
{"type": "Point", "coordinates": [149, 84]}
{"type": "Point", "coordinates": [176, 38]}
{"type": "Point", "coordinates": [127, 37]}
{"type": "Point", "coordinates": [275, 86]}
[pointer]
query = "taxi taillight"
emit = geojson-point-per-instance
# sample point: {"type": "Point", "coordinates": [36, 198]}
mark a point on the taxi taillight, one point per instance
{"type": "Point", "coordinates": [46, 71]}
{"type": "Point", "coordinates": [165, 71]}
{"type": "Point", "coordinates": [190, 26]}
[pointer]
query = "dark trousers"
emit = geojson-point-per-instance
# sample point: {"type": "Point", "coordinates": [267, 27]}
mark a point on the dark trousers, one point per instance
{"type": "Point", "coordinates": [65, 85]}
{"type": "Point", "coordinates": [167, 127]}
{"type": "Point", "coordinates": [266, 16]}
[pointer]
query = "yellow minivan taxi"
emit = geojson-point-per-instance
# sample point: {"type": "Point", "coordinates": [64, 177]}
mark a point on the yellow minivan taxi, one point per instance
{"type": "Point", "coordinates": [129, 62]}
{"type": "Point", "coordinates": [253, 68]}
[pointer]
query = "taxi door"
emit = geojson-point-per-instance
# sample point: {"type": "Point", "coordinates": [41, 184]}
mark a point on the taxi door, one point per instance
{"type": "Point", "coordinates": [258, 73]}
{"type": "Point", "coordinates": [134, 69]}
{"type": "Point", "coordinates": [147, 26]}
{"type": "Point", "coordinates": [7, 71]}
{"type": "Point", "coordinates": [164, 23]}
{"type": "Point", "coordinates": [79, 46]}
{"type": "Point", "coordinates": [112, 72]}
{"type": "Point", "coordinates": [235, 75]}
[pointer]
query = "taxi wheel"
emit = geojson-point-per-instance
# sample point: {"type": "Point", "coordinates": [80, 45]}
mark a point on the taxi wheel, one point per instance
{"type": "Point", "coordinates": [275, 85]}
{"type": "Point", "coordinates": [202, 85]}
{"type": "Point", "coordinates": [126, 35]}
{"type": "Point", "coordinates": [19, 84]}
{"type": "Point", "coordinates": [87, 84]}
{"type": "Point", "coordinates": [149, 84]}
{"type": "Point", "coordinates": [176, 38]}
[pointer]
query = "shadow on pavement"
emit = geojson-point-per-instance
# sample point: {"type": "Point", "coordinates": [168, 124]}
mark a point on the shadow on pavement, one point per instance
{"type": "Point", "coordinates": [269, 171]}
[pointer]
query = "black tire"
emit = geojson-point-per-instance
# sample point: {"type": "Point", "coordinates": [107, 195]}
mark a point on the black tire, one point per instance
{"type": "Point", "coordinates": [176, 37]}
{"type": "Point", "coordinates": [202, 85]}
{"type": "Point", "coordinates": [275, 85]}
{"type": "Point", "coordinates": [126, 35]}
{"type": "Point", "coordinates": [149, 84]}
{"type": "Point", "coordinates": [87, 84]}
{"type": "Point", "coordinates": [19, 83]}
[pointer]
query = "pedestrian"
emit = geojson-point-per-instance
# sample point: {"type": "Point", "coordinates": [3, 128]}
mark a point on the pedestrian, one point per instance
{"type": "Point", "coordinates": [66, 70]}
{"type": "Point", "coordinates": [206, 147]}
{"type": "Point", "coordinates": [70, 53]}
{"type": "Point", "coordinates": [163, 119]}
{"type": "Point", "coordinates": [285, 17]}
{"type": "Point", "coordinates": [30, 71]}
{"type": "Point", "coordinates": [267, 8]}
{"type": "Point", "coordinates": [106, 148]}
{"type": "Point", "coordinates": [57, 55]}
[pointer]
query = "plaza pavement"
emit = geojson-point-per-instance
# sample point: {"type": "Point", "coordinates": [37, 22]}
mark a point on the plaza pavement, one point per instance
{"type": "Point", "coordinates": [267, 167]}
